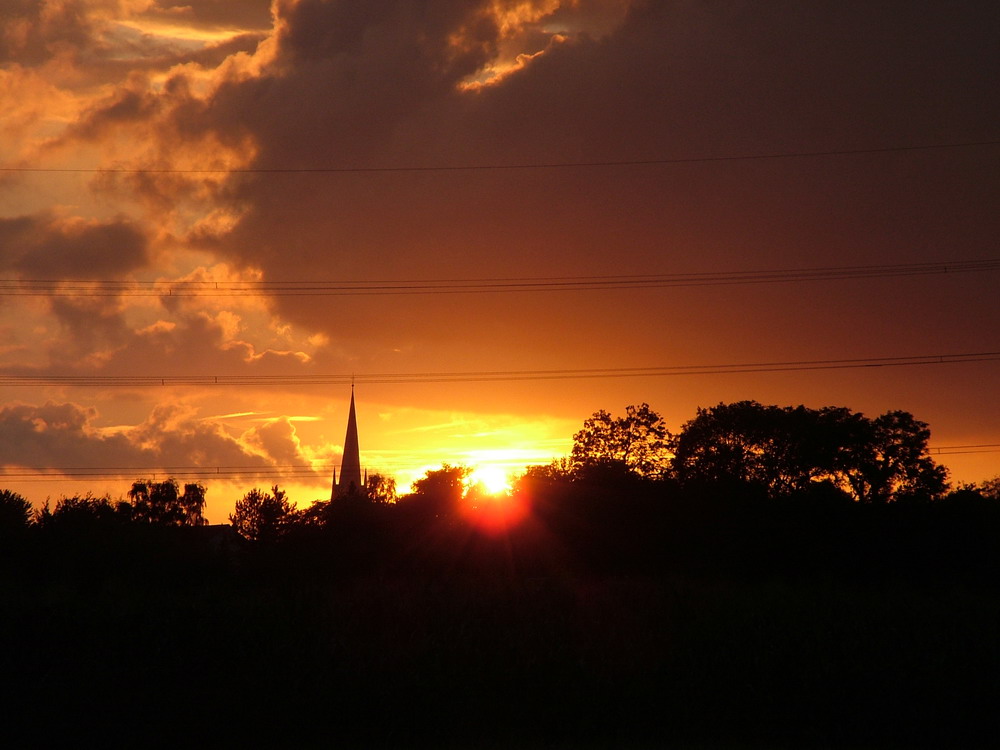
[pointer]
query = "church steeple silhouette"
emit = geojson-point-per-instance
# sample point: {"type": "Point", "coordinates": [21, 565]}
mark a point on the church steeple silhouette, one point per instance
{"type": "Point", "coordinates": [350, 465]}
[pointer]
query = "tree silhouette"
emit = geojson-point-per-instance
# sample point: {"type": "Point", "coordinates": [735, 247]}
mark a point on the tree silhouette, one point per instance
{"type": "Point", "coordinates": [556, 470]}
{"type": "Point", "coordinates": [990, 488]}
{"type": "Point", "coordinates": [789, 450]}
{"type": "Point", "coordinates": [782, 450]}
{"type": "Point", "coordinates": [892, 461]}
{"type": "Point", "coordinates": [15, 513]}
{"type": "Point", "coordinates": [447, 482]}
{"type": "Point", "coordinates": [263, 516]}
{"type": "Point", "coordinates": [637, 443]}
{"type": "Point", "coordinates": [439, 491]}
{"type": "Point", "coordinates": [83, 512]}
{"type": "Point", "coordinates": [381, 489]}
{"type": "Point", "coordinates": [163, 503]}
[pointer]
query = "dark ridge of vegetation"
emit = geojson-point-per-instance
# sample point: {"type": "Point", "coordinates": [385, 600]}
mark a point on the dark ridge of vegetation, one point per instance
{"type": "Point", "coordinates": [610, 601]}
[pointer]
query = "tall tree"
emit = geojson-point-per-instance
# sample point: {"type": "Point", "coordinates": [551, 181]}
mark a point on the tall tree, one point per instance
{"type": "Point", "coordinates": [637, 443]}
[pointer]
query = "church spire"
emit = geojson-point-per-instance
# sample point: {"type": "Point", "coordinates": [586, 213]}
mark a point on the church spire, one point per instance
{"type": "Point", "coordinates": [350, 465]}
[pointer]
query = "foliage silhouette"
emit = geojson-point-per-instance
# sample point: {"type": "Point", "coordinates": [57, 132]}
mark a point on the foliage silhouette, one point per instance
{"type": "Point", "coordinates": [440, 491]}
{"type": "Point", "coordinates": [788, 450]}
{"type": "Point", "coordinates": [636, 443]}
{"type": "Point", "coordinates": [15, 519]}
{"type": "Point", "coordinates": [381, 489]}
{"type": "Point", "coordinates": [263, 516]}
{"type": "Point", "coordinates": [558, 469]}
{"type": "Point", "coordinates": [83, 512]}
{"type": "Point", "coordinates": [891, 462]}
{"type": "Point", "coordinates": [164, 503]}
{"type": "Point", "coordinates": [990, 488]}
{"type": "Point", "coordinates": [15, 513]}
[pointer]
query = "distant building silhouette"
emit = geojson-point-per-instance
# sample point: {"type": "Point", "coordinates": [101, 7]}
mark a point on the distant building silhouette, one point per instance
{"type": "Point", "coordinates": [351, 481]}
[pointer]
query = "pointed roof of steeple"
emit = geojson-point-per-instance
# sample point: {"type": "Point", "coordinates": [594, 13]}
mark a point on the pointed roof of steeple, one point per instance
{"type": "Point", "coordinates": [350, 464]}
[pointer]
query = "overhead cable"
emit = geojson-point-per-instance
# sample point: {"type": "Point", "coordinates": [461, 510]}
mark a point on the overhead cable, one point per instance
{"type": "Point", "coordinates": [133, 288]}
{"type": "Point", "coordinates": [503, 167]}
{"type": "Point", "coordinates": [284, 471]}
{"type": "Point", "coordinates": [258, 381]}
{"type": "Point", "coordinates": [162, 472]}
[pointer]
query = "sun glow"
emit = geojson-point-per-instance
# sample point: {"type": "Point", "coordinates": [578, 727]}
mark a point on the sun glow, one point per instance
{"type": "Point", "coordinates": [493, 478]}
{"type": "Point", "coordinates": [490, 504]}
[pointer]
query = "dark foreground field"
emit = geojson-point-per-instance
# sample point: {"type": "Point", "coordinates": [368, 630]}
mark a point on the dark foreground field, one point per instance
{"type": "Point", "coordinates": [495, 643]}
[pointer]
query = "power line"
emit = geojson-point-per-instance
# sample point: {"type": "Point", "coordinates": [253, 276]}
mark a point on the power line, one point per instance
{"type": "Point", "coordinates": [282, 471]}
{"type": "Point", "coordinates": [483, 376]}
{"type": "Point", "coordinates": [43, 473]}
{"type": "Point", "coordinates": [180, 473]}
{"type": "Point", "coordinates": [520, 166]}
{"type": "Point", "coordinates": [129, 288]}
{"type": "Point", "coordinates": [955, 450]}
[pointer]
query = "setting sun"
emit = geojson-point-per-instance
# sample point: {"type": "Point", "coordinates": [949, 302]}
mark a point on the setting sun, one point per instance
{"type": "Point", "coordinates": [494, 479]}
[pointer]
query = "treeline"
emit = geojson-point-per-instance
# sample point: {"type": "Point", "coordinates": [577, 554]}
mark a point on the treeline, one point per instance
{"type": "Point", "coordinates": [741, 486]}
{"type": "Point", "coordinates": [780, 450]}
{"type": "Point", "coordinates": [766, 577]}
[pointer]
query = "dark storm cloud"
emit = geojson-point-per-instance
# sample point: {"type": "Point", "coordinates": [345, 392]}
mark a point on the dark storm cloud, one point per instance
{"type": "Point", "coordinates": [347, 75]}
{"type": "Point", "coordinates": [377, 84]}
{"type": "Point", "coordinates": [32, 32]}
{"type": "Point", "coordinates": [382, 84]}
{"type": "Point", "coordinates": [51, 247]}
{"type": "Point", "coordinates": [345, 79]}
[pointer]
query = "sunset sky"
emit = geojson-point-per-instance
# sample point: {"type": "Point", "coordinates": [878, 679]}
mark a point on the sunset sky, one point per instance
{"type": "Point", "coordinates": [489, 214]}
